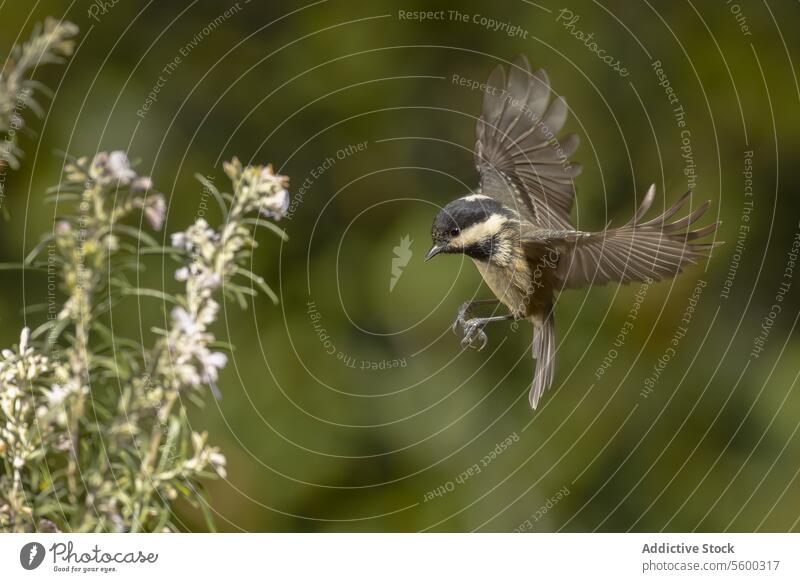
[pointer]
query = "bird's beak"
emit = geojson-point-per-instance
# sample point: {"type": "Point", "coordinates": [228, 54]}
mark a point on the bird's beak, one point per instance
{"type": "Point", "coordinates": [435, 250]}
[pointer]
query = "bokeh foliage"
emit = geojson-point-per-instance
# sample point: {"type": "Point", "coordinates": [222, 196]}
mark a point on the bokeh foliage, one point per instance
{"type": "Point", "coordinates": [313, 444]}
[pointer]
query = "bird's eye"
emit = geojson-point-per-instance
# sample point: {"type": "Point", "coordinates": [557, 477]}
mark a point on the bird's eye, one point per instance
{"type": "Point", "coordinates": [455, 232]}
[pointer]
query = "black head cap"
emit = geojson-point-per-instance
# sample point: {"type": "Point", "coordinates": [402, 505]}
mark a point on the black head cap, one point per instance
{"type": "Point", "coordinates": [456, 218]}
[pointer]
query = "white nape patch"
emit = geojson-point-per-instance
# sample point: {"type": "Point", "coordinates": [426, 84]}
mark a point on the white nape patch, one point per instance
{"type": "Point", "coordinates": [479, 232]}
{"type": "Point", "coordinates": [472, 197]}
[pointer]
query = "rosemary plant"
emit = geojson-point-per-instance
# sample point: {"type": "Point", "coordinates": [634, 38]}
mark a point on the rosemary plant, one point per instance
{"type": "Point", "coordinates": [49, 43]}
{"type": "Point", "coordinates": [94, 434]}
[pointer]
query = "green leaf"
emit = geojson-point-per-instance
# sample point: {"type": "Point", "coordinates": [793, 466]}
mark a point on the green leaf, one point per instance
{"type": "Point", "coordinates": [169, 445]}
{"type": "Point", "coordinates": [18, 267]}
{"type": "Point", "coordinates": [235, 291]}
{"type": "Point", "coordinates": [38, 248]}
{"type": "Point", "coordinates": [259, 281]}
{"type": "Point", "coordinates": [53, 336]}
{"type": "Point", "coordinates": [268, 225]}
{"type": "Point", "coordinates": [50, 323]}
{"type": "Point", "coordinates": [136, 233]}
{"type": "Point", "coordinates": [207, 516]}
{"type": "Point", "coordinates": [156, 294]}
{"type": "Point", "coordinates": [62, 197]}
{"type": "Point", "coordinates": [209, 185]}
{"type": "Point", "coordinates": [162, 250]}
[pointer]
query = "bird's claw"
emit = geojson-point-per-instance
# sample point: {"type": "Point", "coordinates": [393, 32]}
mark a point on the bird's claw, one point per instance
{"type": "Point", "coordinates": [460, 321]}
{"type": "Point", "coordinates": [473, 330]}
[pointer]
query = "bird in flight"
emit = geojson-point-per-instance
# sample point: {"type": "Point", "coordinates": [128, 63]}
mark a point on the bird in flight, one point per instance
{"type": "Point", "coordinates": [516, 225]}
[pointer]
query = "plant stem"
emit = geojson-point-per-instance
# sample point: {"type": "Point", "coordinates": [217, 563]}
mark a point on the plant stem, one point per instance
{"type": "Point", "coordinates": [148, 464]}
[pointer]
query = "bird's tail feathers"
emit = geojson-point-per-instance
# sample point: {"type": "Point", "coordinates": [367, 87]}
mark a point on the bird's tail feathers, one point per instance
{"type": "Point", "coordinates": [544, 352]}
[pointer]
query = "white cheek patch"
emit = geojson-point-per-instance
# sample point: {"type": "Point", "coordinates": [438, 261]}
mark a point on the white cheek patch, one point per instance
{"type": "Point", "coordinates": [479, 232]}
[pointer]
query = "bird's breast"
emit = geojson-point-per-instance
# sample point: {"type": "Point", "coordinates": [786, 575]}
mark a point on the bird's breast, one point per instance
{"type": "Point", "coordinates": [523, 285]}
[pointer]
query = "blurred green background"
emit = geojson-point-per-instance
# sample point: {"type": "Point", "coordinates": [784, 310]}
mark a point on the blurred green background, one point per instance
{"type": "Point", "coordinates": [345, 415]}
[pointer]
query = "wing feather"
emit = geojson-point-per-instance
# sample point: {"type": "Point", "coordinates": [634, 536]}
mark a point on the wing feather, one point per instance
{"type": "Point", "coordinates": [638, 251]}
{"type": "Point", "coordinates": [521, 160]}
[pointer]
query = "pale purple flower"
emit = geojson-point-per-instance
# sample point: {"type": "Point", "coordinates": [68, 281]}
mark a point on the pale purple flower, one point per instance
{"type": "Point", "coordinates": [212, 362]}
{"type": "Point", "coordinates": [108, 169]}
{"type": "Point", "coordinates": [275, 205]}
{"type": "Point", "coordinates": [198, 237]}
{"type": "Point", "coordinates": [142, 184]}
{"type": "Point", "coordinates": [179, 240]}
{"type": "Point", "coordinates": [208, 313]}
{"type": "Point", "coordinates": [57, 394]}
{"type": "Point", "coordinates": [120, 167]}
{"type": "Point", "coordinates": [24, 336]}
{"type": "Point", "coordinates": [184, 322]}
{"type": "Point", "coordinates": [155, 210]}
{"type": "Point", "coordinates": [63, 228]}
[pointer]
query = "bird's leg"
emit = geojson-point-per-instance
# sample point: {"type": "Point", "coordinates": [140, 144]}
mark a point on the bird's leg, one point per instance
{"type": "Point", "coordinates": [466, 308]}
{"type": "Point", "coordinates": [473, 329]}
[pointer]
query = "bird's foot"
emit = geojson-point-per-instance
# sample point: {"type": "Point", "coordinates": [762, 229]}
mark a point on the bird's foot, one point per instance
{"type": "Point", "coordinates": [473, 330]}
{"type": "Point", "coordinates": [460, 317]}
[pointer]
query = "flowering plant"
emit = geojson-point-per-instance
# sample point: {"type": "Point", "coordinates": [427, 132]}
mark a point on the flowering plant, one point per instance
{"type": "Point", "coordinates": [49, 43]}
{"type": "Point", "coordinates": [93, 433]}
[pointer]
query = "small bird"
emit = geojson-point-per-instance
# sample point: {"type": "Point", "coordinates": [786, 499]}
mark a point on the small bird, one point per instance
{"type": "Point", "coordinates": [516, 225]}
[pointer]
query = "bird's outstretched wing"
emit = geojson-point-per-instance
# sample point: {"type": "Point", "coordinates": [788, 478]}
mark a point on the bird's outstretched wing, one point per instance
{"type": "Point", "coordinates": [521, 160]}
{"type": "Point", "coordinates": [638, 251]}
